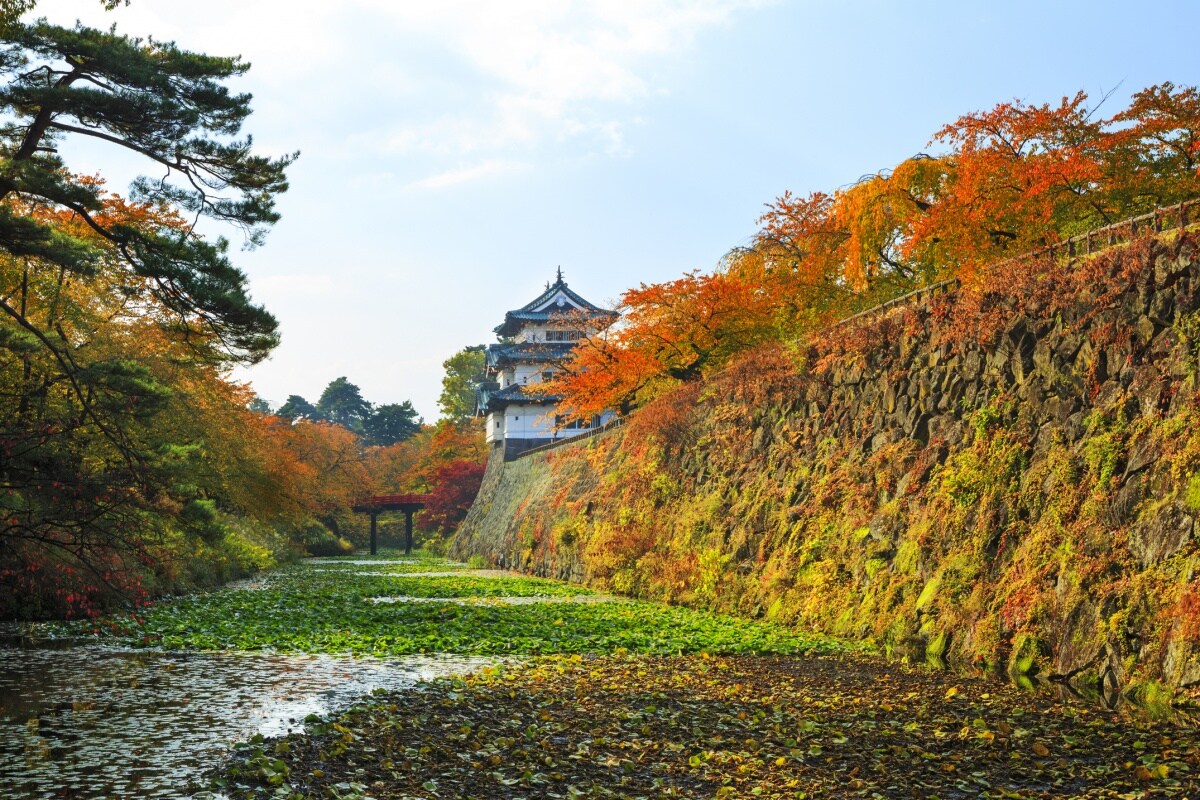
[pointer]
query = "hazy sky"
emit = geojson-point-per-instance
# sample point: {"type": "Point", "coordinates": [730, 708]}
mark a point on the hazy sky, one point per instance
{"type": "Point", "coordinates": [453, 154]}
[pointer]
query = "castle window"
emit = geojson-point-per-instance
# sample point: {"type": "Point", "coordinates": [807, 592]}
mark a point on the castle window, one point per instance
{"type": "Point", "coordinates": [563, 336]}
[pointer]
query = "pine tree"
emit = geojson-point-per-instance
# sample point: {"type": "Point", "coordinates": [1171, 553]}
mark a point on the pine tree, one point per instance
{"type": "Point", "coordinates": [391, 423]}
{"type": "Point", "coordinates": [114, 312]}
{"type": "Point", "coordinates": [342, 403]}
{"type": "Point", "coordinates": [170, 107]}
{"type": "Point", "coordinates": [296, 407]}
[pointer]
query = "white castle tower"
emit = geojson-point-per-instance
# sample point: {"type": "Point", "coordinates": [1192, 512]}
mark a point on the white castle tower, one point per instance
{"type": "Point", "coordinates": [534, 340]}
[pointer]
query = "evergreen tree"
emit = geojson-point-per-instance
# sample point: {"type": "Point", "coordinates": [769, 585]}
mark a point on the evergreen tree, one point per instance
{"type": "Point", "coordinates": [391, 423]}
{"type": "Point", "coordinates": [114, 312]}
{"type": "Point", "coordinates": [260, 406]}
{"type": "Point", "coordinates": [296, 407]}
{"type": "Point", "coordinates": [170, 107]}
{"type": "Point", "coordinates": [11, 10]}
{"type": "Point", "coordinates": [342, 404]}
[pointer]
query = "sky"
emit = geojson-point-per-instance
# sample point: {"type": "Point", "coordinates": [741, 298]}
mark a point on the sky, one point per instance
{"type": "Point", "coordinates": [455, 153]}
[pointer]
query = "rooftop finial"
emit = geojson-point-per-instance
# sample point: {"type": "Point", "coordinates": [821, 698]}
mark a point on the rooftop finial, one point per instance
{"type": "Point", "coordinates": [560, 280]}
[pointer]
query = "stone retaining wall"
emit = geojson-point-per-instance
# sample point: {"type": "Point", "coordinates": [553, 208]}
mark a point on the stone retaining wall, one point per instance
{"type": "Point", "coordinates": [1028, 502]}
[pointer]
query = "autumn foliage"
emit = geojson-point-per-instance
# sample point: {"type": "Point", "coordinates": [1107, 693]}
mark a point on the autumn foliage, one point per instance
{"type": "Point", "coordinates": [1003, 182]}
{"type": "Point", "coordinates": [131, 464]}
{"type": "Point", "coordinates": [455, 485]}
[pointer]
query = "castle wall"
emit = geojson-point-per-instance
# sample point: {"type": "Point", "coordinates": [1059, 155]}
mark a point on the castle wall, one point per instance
{"type": "Point", "coordinates": [1008, 478]}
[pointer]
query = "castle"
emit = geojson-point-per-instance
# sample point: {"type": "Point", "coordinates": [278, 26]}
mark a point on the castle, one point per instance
{"type": "Point", "coordinates": [534, 341]}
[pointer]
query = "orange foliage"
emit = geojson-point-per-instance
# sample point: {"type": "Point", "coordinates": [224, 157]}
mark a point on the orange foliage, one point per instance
{"type": "Point", "coordinates": [1188, 614]}
{"type": "Point", "coordinates": [667, 422]}
{"type": "Point", "coordinates": [413, 465]}
{"type": "Point", "coordinates": [324, 462]}
{"type": "Point", "coordinates": [1012, 179]}
{"type": "Point", "coordinates": [670, 333]}
{"type": "Point", "coordinates": [446, 460]}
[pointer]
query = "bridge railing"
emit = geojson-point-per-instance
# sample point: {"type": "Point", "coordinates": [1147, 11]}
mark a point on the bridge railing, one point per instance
{"type": "Point", "coordinates": [393, 499]}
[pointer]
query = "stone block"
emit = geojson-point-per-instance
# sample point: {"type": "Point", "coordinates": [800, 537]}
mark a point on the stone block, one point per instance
{"type": "Point", "coordinates": [1144, 330]}
{"type": "Point", "coordinates": [889, 399]}
{"type": "Point", "coordinates": [970, 395]}
{"type": "Point", "coordinates": [1068, 346]}
{"type": "Point", "coordinates": [1162, 307]}
{"type": "Point", "coordinates": [1164, 343]}
{"type": "Point", "coordinates": [1161, 534]}
{"type": "Point", "coordinates": [1074, 427]}
{"type": "Point", "coordinates": [1043, 360]}
{"type": "Point", "coordinates": [1118, 356]}
{"type": "Point", "coordinates": [1168, 269]}
{"type": "Point", "coordinates": [972, 365]}
{"type": "Point", "coordinates": [920, 429]}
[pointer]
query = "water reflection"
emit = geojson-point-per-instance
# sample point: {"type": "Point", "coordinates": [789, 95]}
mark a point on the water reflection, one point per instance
{"type": "Point", "coordinates": [392, 562]}
{"type": "Point", "coordinates": [503, 600]}
{"type": "Point", "coordinates": [100, 722]}
{"type": "Point", "coordinates": [1094, 690]}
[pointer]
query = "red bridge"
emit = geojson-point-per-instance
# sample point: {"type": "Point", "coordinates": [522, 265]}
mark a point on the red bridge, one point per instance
{"type": "Point", "coordinates": [408, 503]}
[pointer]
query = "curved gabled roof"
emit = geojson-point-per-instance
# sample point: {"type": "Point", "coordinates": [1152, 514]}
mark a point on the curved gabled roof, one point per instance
{"type": "Point", "coordinates": [557, 302]}
{"type": "Point", "coordinates": [500, 355]}
{"type": "Point", "coordinates": [493, 400]}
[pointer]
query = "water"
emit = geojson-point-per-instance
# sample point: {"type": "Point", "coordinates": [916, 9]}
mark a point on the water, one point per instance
{"type": "Point", "coordinates": [504, 600]}
{"type": "Point", "coordinates": [101, 722]}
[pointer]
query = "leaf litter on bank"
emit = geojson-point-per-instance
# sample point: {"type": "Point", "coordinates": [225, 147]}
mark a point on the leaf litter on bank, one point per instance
{"type": "Point", "coordinates": [626, 726]}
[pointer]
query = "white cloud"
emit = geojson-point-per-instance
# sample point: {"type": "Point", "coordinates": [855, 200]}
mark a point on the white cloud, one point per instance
{"type": "Point", "coordinates": [545, 70]}
{"type": "Point", "coordinates": [453, 79]}
{"type": "Point", "coordinates": [455, 177]}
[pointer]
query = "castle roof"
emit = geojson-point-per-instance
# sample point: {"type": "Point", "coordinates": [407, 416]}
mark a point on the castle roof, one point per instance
{"type": "Point", "coordinates": [501, 355]}
{"type": "Point", "coordinates": [558, 302]}
{"type": "Point", "coordinates": [493, 400]}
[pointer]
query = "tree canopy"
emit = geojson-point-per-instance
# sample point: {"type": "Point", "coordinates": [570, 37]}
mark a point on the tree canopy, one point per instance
{"type": "Point", "coordinates": [130, 462]}
{"type": "Point", "coordinates": [464, 371]}
{"type": "Point", "coordinates": [123, 448]}
{"type": "Point", "coordinates": [391, 423]}
{"type": "Point", "coordinates": [342, 404]}
{"type": "Point", "coordinates": [11, 10]}
{"type": "Point", "coordinates": [296, 407]}
{"type": "Point", "coordinates": [171, 108]}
